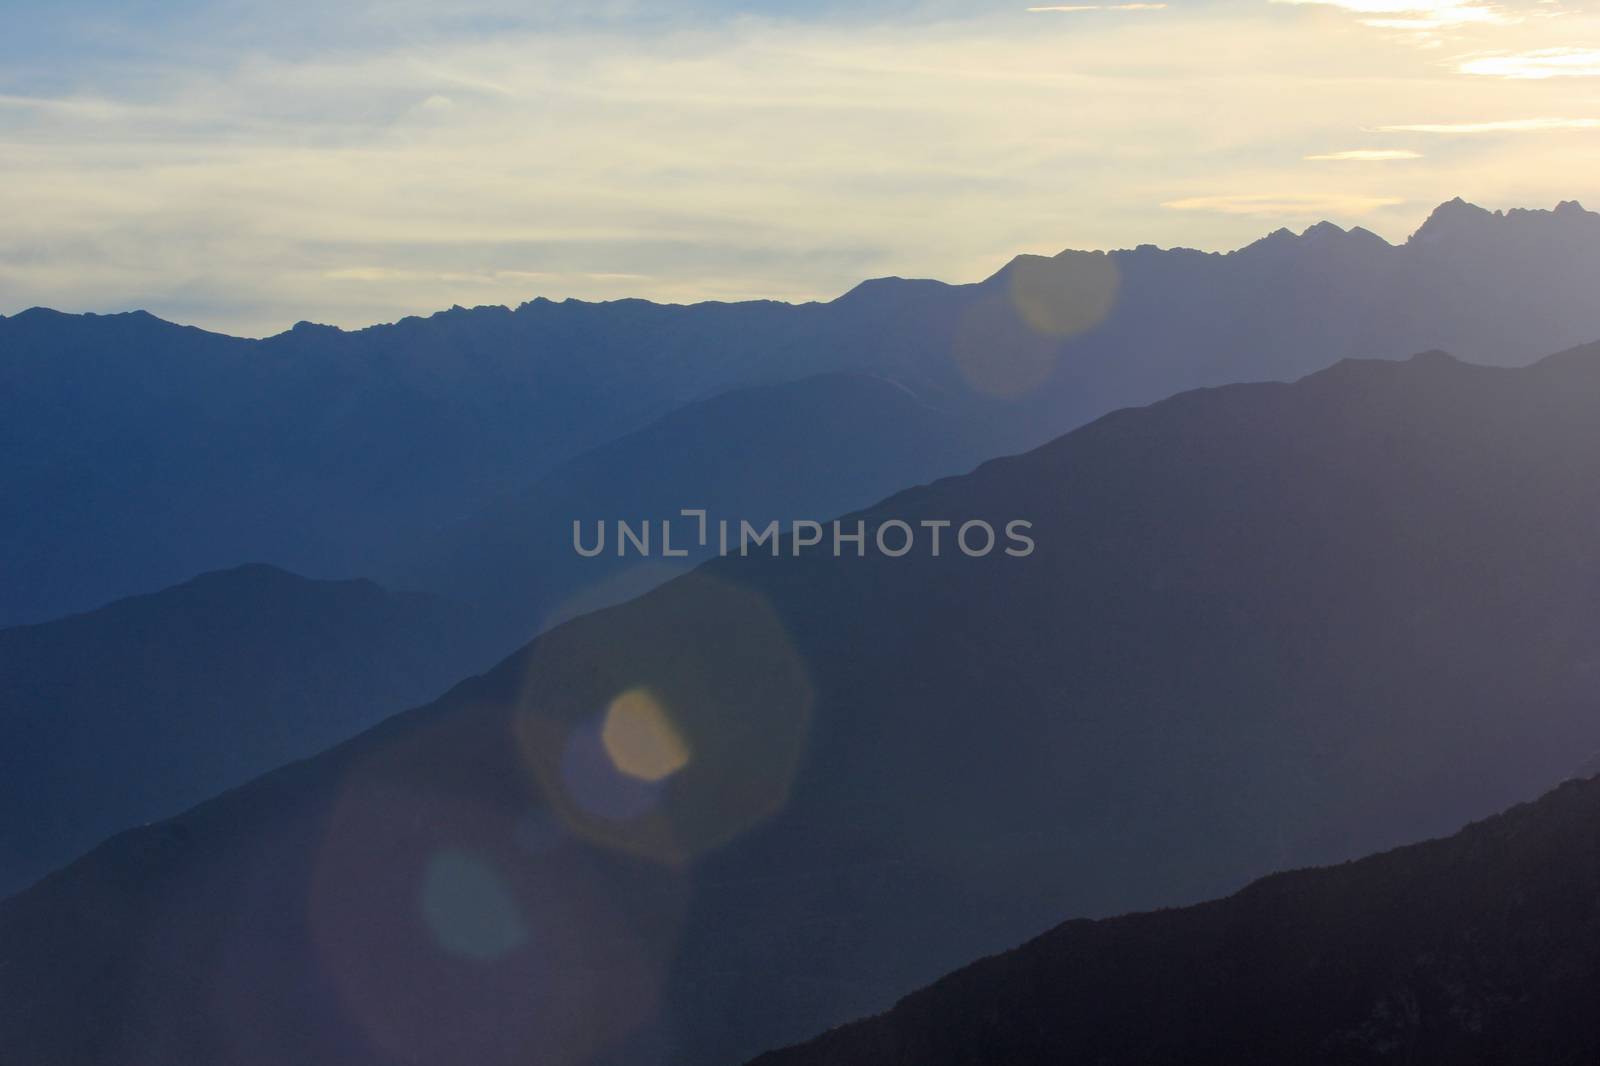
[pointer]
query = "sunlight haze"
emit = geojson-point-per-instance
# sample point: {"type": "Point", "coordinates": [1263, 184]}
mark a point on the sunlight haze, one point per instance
{"type": "Point", "coordinates": [242, 166]}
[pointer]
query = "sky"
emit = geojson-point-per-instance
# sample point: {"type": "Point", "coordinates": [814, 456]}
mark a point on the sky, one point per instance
{"type": "Point", "coordinates": [242, 164]}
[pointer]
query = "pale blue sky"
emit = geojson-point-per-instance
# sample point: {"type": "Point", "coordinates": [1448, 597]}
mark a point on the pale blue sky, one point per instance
{"type": "Point", "coordinates": [244, 164]}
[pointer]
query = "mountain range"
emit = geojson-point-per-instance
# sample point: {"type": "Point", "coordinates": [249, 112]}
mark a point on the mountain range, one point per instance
{"type": "Point", "coordinates": [346, 454]}
{"type": "Point", "coordinates": [812, 448]}
{"type": "Point", "coordinates": [1265, 626]}
{"type": "Point", "coordinates": [1473, 951]}
{"type": "Point", "coordinates": [143, 708]}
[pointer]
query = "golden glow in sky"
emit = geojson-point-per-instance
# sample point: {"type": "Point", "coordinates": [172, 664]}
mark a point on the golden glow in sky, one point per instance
{"type": "Point", "coordinates": [251, 182]}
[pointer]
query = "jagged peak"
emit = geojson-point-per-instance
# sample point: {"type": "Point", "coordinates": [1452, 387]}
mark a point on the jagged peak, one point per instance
{"type": "Point", "coordinates": [1458, 216]}
{"type": "Point", "coordinates": [1323, 234]}
{"type": "Point", "coordinates": [1450, 217]}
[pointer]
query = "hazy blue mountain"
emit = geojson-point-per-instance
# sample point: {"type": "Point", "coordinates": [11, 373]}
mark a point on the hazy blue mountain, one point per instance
{"type": "Point", "coordinates": [814, 449]}
{"type": "Point", "coordinates": [1264, 626]}
{"type": "Point", "coordinates": [1477, 950]}
{"type": "Point", "coordinates": [143, 708]}
{"type": "Point", "coordinates": [334, 453]}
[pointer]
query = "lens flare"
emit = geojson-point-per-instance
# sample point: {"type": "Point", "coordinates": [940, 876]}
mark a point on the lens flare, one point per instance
{"type": "Point", "coordinates": [1008, 341]}
{"type": "Point", "coordinates": [456, 918]}
{"type": "Point", "coordinates": [469, 908]}
{"type": "Point", "coordinates": [641, 739]}
{"type": "Point", "coordinates": [668, 728]}
{"type": "Point", "coordinates": [1064, 296]}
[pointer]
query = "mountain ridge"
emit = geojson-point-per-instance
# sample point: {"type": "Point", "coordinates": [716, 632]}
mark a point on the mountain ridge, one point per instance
{"type": "Point", "coordinates": [893, 766]}
{"type": "Point", "coordinates": [141, 708]}
{"type": "Point", "coordinates": [1351, 963]}
{"type": "Point", "coordinates": [1449, 218]}
{"type": "Point", "coordinates": [209, 451]}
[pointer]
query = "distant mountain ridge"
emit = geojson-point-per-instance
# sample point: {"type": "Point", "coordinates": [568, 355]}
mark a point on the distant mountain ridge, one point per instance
{"type": "Point", "coordinates": [1265, 626]}
{"type": "Point", "coordinates": [138, 710]}
{"type": "Point", "coordinates": [334, 453]}
{"type": "Point", "coordinates": [807, 449]}
{"type": "Point", "coordinates": [1477, 950]}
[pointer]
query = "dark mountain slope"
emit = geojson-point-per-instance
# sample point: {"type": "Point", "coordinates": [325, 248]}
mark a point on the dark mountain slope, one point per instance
{"type": "Point", "coordinates": [1265, 626]}
{"type": "Point", "coordinates": [134, 712]}
{"type": "Point", "coordinates": [814, 448]}
{"type": "Point", "coordinates": [1477, 950]}
{"type": "Point", "coordinates": [332, 453]}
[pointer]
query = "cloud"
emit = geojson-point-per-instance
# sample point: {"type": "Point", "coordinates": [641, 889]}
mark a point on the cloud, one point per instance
{"type": "Point", "coordinates": [781, 158]}
{"type": "Point", "coordinates": [1515, 125]}
{"type": "Point", "coordinates": [1283, 204]}
{"type": "Point", "coordinates": [1069, 8]}
{"type": "Point", "coordinates": [1365, 155]}
{"type": "Point", "coordinates": [1537, 66]}
{"type": "Point", "coordinates": [1416, 14]}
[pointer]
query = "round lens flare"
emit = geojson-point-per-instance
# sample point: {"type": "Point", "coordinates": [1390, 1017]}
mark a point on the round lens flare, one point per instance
{"type": "Point", "coordinates": [640, 739]}
{"type": "Point", "coordinates": [456, 919]}
{"type": "Point", "coordinates": [670, 726]}
{"type": "Point", "coordinates": [1008, 341]}
{"type": "Point", "coordinates": [1064, 296]}
{"type": "Point", "coordinates": [468, 907]}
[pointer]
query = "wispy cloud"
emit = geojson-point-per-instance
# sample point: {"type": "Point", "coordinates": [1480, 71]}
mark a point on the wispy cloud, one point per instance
{"type": "Point", "coordinates": [1416, 14]}
{"type": "Point", "coordinates": [1364, 155]}
{"type": "Point", "coordinates": [1071, 8]}
{"type": "Point", "coordinates": [372, 175]}
{"type": "Point", "coordinates": [1514, 125]}
{"type": "Point", "coordinates": [1537, 66]}
{"type": "Point", "coordinates": [1284, 205]}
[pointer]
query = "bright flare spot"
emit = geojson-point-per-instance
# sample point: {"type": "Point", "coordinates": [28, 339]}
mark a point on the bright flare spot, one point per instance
{"type": "Point", "coordinates": [640, 739]}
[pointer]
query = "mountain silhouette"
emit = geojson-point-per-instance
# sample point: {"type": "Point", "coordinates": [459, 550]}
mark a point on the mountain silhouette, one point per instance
{"type": "Point", "coordinates": [145, 707]}
{"type": "Point", "coordinates": [813, 449]}
{"type": "Point", "coordinates": [1476, 950]}
{"type": "Point", "coordinates": [334, 453]}
{"type": "Point", "coordinates": [1265, 626]}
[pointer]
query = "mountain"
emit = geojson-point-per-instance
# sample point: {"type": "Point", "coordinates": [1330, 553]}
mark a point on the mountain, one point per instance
{"type": "Point", "coordinates": [1480, 949]}
{"type": "Point", "coordinates": [813, 448]}
{"type": "Point", "coordinates": [1263, 626]}
{"type": "Point", "coordinates": [145, 707]}
{"type": "Point", "coordinates": [334, 453]}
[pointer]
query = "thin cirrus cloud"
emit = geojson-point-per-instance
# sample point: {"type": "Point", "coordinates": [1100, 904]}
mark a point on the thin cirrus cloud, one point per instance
{"type": "Point", "coordinates": [1283, 204]}
{"type": "Point", "coordinates": [1417, 15]}
{"type": "Point", "coordinates": [1364, 155]}
{"type": "Point", "coordinates": [1515, 125]}
{"type": "Point", "coordinates": [1537, 66]}
{"type": "Point", "coordinates": [1067, 9]}
{"type": "Point", "coordinates": [361, 177]}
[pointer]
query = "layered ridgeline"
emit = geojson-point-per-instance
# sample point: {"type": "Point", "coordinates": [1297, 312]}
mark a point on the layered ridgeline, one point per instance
{"type": "Point", "coordinates": [139, 710]}
{"type": "Point", "coordinates": [336, 454]}
{"type": "Point", "coordinates": [143, 708]}
{"type": "Point", "coordinates": [813, 448]}
{"type": "Point", "coordinates": [1478, 950]}
{"type": "Point", "coordinates": [1263, 626]}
